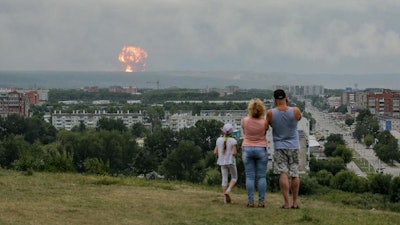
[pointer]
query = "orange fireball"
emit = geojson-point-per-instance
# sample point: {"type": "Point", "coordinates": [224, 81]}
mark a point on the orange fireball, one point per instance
{"type": "Point", "coordinates": [133, 58]}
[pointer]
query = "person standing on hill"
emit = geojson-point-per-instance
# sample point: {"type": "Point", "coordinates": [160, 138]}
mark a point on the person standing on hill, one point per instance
{"type": "Point", "coordinates": [283, 120]}
{"type": "Point", "coordinates": [226, 150]}
{"type": "Point", "coordinates": [255, 155]}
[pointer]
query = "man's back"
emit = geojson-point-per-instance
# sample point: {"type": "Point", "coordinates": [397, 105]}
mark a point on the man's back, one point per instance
{"type": "Point", "coordinates": [284, 128]}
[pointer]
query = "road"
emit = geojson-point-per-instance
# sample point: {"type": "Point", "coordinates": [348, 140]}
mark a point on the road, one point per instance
{"type": "Point", "coordinates": [328, 125]}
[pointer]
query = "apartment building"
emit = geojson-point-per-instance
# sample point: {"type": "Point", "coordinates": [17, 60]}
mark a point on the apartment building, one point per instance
{"type": "Point", "coordinates": [179, 121]}
{"type": "Point", "coordinates": [120, 89]}
{"type": "Point", "coordinates": [13, 102]}
{"type": "Point", "coordinates": [348, 97]}
{"type": "Point", "coordinates": [67, 121]}
{"type": "Point", "coordinates": [302, 90]}
{"type": "Point", "coordinates": [385, 103]}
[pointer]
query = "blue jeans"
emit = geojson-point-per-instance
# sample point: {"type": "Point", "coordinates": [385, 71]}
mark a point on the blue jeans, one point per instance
{"type": "Point", "coordinates": [255, 160]}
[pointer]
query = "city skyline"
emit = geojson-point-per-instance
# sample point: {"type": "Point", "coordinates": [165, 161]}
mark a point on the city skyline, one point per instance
{"type": "Point", "coordinates": [190, 79]}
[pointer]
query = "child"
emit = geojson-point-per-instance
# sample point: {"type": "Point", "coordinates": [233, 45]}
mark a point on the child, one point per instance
{"type": "Point", "coordinates": [225, 148]}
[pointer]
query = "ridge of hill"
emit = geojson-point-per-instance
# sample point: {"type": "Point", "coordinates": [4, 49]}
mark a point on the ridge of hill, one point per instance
{"type": "Point", "coordinates": [65, 198]}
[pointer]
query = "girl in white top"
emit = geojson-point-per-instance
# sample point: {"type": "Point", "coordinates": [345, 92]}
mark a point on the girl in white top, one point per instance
{"type": "Point", "coordinates": [226, 150]}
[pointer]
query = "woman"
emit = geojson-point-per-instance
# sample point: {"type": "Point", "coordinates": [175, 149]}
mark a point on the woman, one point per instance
{"type": "Point", "coordinates": [255, 155]}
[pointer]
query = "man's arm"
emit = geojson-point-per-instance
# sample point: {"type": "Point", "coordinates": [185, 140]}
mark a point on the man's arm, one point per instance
{"type": "Point", "coordinates": [297, 113]}
{"type": "Point", "coordinates": [269, 115]}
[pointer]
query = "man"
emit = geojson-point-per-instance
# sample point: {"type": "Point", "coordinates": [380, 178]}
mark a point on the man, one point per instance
{"type": "Point", "coordinates": [283, 120]}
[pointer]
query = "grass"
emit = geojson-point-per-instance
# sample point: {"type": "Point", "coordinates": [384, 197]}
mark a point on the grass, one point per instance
{"type": "Point", "coordinates": [62, 198]}
{"type": "Point", "coordinates": [363, 164]}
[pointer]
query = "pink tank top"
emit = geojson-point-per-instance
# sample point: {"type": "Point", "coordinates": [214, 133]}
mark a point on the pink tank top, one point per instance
{"type": "Point", "coordinates": [254, 132]}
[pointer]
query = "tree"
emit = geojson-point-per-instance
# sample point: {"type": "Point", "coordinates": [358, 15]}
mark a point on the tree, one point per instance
{"type": "Point", "coordinates": [81, 128]}
{"type": "Point", "coordinates": [139, 130]}
{"type": "Point", "coordinates": [13, 124]}
{"type": "Point", "coordinates": [349, 120]}
{"type": "Point", "coordinates": [349, 181]}
{"type": "Point", "coordinates": [144, 162]}
{"type": "Point", "coordinates": [336, 138]}
{"type": "Point", "coordinates": [184, 163]}
{"type": "Point", "coordinates": [342, 109]}
{"type": "Point", "coordinates": [394, 190]}
{"type": "Point", "coordinates": [369, 125]}
{"type": "Point", "coordinates": [324, 177]}
{"type": "Point", "coordinates": [208, 132]}
{"type": "Point", "coordinates": [362, 114]}
{"type": "Point", "coordinates": [333, 140]}
{"type": "Point", "coordinates": [38, 129]}
{"type": "Point", "coordinates": [190, 134]}
{"type": "Point", "coordinates": [12, 148]}
{"type": "Point", "coordinates": [368, 140]}
{"type": "Point", "coordinates": [329, 148]}
{"type": "Point", "coordinates": [154, 115]}
{"type": "Point", "coordinates": [387, 148]}
{"type": "Point", "coordinates": [111, 124]}
{"type": "Point", "coordinates": [112, 143]}
{"type": "Point", "coordinates": [88, 145]}
{"type": "Point", "coordinates": [160, 143]}
{"type": "Point", "coordinates": [332, 165]}
{"type": "Point", "coordinates": [310, 119]}
{"type": "Point", "coordinates": [380, 183]}
{"type": "Point", "coordinates": [343, 152]}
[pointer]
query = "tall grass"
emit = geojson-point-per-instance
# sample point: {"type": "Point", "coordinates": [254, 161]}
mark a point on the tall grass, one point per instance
{"type": "Point", "coordinates": [63, 198]}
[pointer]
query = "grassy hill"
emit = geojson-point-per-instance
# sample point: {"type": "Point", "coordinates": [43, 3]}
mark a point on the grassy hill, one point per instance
{"type": "Point", "coordinates": [55, 198]}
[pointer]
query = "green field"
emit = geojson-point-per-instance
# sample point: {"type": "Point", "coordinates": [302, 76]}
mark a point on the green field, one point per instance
{"type": "Point", "coordinates": [61, 198]}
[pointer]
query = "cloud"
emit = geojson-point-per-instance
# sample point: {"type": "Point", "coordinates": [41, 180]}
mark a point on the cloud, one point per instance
{"type": "Point", "coordinates": [292, 36]}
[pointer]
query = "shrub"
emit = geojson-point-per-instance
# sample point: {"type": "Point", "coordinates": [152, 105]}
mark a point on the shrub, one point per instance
{"type": "Point", "coordinates": [343, 152]}
{"type": "Point", "coordinates": [213, 177]}
{"type": "Point", "coordinates": [272, 181]}
{"type": "Point", "coordinates": [349, 181]}
{"type": "Point", "coordinates": [308, 185]}
{"type": "Point", "coordinates": [324, 177]}
{"type": "Point", "coordinates": [394, 191]}
{"type": "Point", "coordinates": [380, 183]}
{"type": "Point", "coordinates": [96, 166]}
{"type": "Point", "coordinates": [332, 164]}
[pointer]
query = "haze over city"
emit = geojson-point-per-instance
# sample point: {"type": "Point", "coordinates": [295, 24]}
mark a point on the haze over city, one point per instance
{"type": "Point", "coordinates": [283, 37]}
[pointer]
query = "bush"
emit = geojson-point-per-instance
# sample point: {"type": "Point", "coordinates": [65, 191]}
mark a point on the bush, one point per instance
{"type": "Point", "coordinates": [272, 181]}
{"type": "Point", "coordinates": [96, 166]}
{"type": "Point", "coordinates": [332, 165]}
{"type": "Point", "coordinates": [324, 177]}
{"type": "Point", "coordinates": [349, 181]}
{"type": "Point", "coordinates": [213, 177]}
{"type": "Point", "coordinates": [308, 185]}
{"type": "Point", "coordinates": [394, 191]}
{"type": "Point", "coordinates": [380, 183]}
{"type": "Point", "coordinates": [344, 153]}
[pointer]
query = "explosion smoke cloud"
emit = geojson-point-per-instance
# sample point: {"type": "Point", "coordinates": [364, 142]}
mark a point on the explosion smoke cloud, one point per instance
{"type": "Point", "coordinates": [133, 58]}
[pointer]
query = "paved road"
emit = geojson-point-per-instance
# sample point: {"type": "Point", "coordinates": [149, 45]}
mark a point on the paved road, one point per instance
{"type": "Point", "coordinates": [328, 125]}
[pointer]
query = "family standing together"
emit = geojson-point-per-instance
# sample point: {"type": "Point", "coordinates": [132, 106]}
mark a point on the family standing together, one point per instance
{"type": "Point", "coordinates": [283, 120]}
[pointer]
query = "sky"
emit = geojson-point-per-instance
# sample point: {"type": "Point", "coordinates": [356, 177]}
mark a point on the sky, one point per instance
{"type": "Point", "coordinates": [268, 36]}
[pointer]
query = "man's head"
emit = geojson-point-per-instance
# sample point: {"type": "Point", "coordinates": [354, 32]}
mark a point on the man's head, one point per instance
{"type": "Point", "coordinates": [279, 94]}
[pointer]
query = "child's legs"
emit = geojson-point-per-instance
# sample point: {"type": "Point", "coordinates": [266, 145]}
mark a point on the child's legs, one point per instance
{"type": "Point", "coordinates": [224, 173]}
{"type": "Point", "coordinates": [234, 176]}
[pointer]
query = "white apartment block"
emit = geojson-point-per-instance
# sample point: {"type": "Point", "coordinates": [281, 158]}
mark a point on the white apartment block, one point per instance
{"type": "Point", "coordinates": [180, 121]}
{"type": "Point", "coordinates": [68, 120]}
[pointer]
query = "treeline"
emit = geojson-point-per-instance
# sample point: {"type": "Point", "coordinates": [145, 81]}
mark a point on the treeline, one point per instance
{"type": "Point", "coordinates": [111, 148]}
{"type": "Point", "coordinates": [150, 96]}
{"type": "Point", "coordinates": [380, 190]}
{"type": "Point", "coordinates": [384, 143]}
